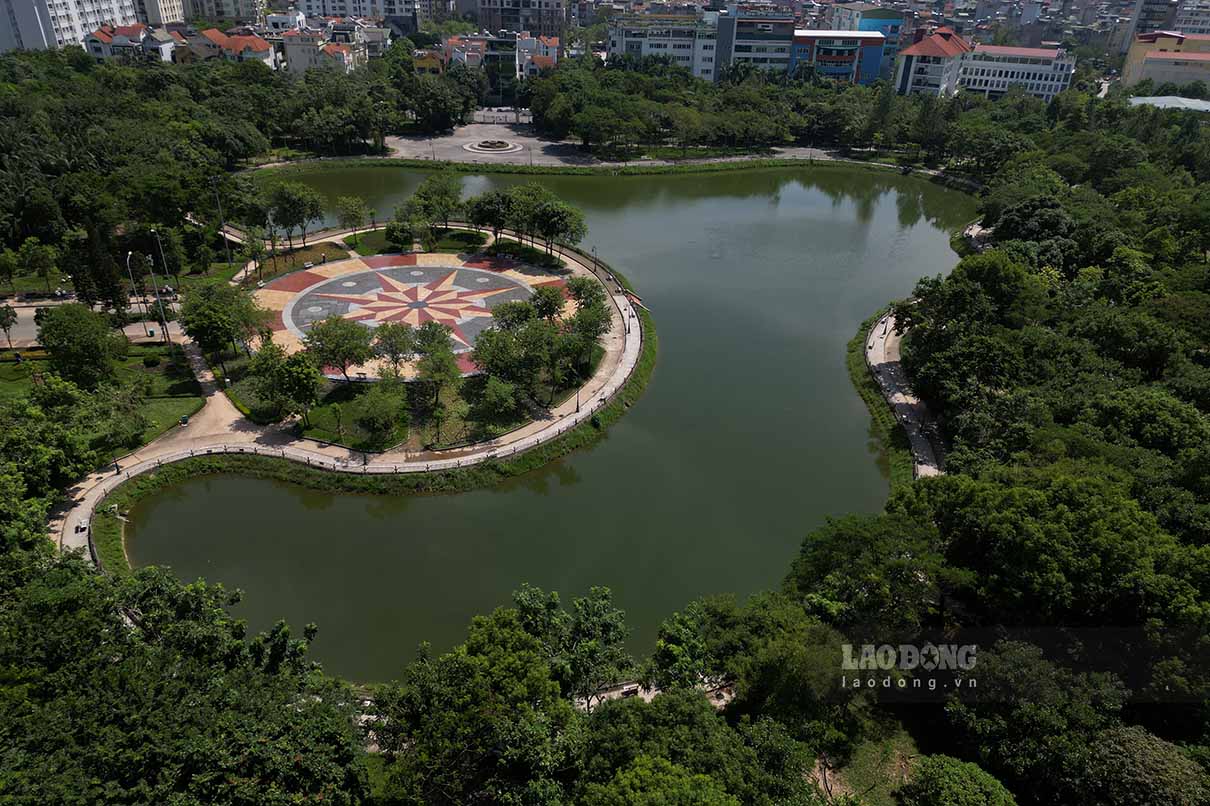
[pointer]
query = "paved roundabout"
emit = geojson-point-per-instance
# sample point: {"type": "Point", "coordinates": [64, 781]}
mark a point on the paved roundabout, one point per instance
{"type": "Point", "coordinates": [412, 289]}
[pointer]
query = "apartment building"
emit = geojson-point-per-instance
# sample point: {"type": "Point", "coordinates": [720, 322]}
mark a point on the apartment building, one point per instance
{"type": "Point", "coordinates": [43, 24]}
{"type": "Point", "coordinates": [991, 70]}
{"type": "Point", "coordinates": [758, 34]}
{"type": "Point", "coordinates": [932, 65]}
{"type": "Point", "coordinates": [539, 17]}
{"type": "Point", "coordinates": [1192, 17]}
{"type": "Point", "coordinates": [158, 13]}
{"type": "Point", "coordinates": [243, 10]}
{"type": "Point", "coordinates": [868, 17]}
{"type": "Point", "coordinates": [852, 57]}
{"type": "Point", "coordinates": [690, 40]}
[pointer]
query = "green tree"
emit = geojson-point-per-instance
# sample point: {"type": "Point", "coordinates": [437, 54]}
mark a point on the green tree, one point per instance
{"type": "Point", "coordinates": [8, 318]}
{"type": "Point", "coordinates": [439, 197]}
{"type": "Point", "coordinates": [352, 212]}
{"type": "Point", "coordinates": [395, 343]}
{"type": "Point", "coordinates": [380, 411]}
{"type": "Point", "coordinates": [491, 210]}
{"type": "Point", "coordinates": [38, 259]}
{"type": "Point", "coordinates": [547, 301]}
{"type": "Point", "coordinates": [340, 343]}
{"type": "Point", "coordinates": [294, 205]}
{"type": "Point", "coordinates": [301, 382]}
{"type": "Point", "coordinates": [1128, 765]}
{"type": "Point", "coordinates": [216, 314]}
{"type": "Point", "coordinates": [80, 343]}
{"type": "Point", "coordinates": [945, 781]}
{"type": "Point", "coordinates": [658, 782]}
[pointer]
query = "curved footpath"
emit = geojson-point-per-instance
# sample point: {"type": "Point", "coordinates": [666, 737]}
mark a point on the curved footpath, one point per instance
{"type": "Point", "coordinates": [882, 357]}
{"type": "Point", "coordinates": [220, 428]}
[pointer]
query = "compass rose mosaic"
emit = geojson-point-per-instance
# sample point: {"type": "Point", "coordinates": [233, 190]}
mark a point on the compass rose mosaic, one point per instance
{"type": "Point", "coordinates": [412, 289]}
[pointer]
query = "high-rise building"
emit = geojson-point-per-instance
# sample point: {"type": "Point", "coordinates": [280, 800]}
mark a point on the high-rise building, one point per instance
{"type": "Point", "coordinates": [1148, 16]}
{"type": "Point", "coordinates": [539, 17]}
{"type": "Point", "coordinates": [867, 17]}
{"type": "Point", "coordinates": [758, 34]}
{"type": "Point", "coordinates": [1193, 17]}
{"type": "Point", "coordinates": [992, 70]}
{"type": "Point", "coordinates": [245, 10]}
{"type": "Point", "coordinates": [158, 13]}
{"type": "Point", "coordinates": [42, 24]}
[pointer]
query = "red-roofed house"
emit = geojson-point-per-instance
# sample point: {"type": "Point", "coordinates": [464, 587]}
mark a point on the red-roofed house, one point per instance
{"type": "Point", "coordinates": [931, 65]}
{"type": "Point", "coordinates": [214, 44]}
{"type": "Point", "coordinates": [124, 41]}
{"type": "Point", "coordinates": [536, 53]}
{"type": "Point", "coordinates": [309, 50]}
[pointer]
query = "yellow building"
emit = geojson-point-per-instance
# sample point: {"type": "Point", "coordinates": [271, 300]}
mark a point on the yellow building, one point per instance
{"type": "Point", "coordinates": [1152, 56]}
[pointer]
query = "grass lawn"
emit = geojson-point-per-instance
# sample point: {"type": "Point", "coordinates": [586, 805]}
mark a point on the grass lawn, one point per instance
{"type": "Point", "coordinates": [526, 254]}
{"type": "Point", "coordinates": [221, 271]}
{"type": "Point", "coordinates": [31, 284]}
{"type": "Point", "coordinates": [673, 153]}
{"type": "Point", "coordinates": [880, 766]}
{"type": "Point", "coordinates": [288, 261]}
{"type": "Point", "coordinates": [456, 240]}
{"type": "Point", "coordinates": [373, 242]}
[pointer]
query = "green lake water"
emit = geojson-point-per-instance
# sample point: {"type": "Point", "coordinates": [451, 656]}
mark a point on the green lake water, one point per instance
{"type": "Point", "coordinates": [749, 435]}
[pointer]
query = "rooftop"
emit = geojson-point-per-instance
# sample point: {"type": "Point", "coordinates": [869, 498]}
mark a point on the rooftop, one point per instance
{"type": "Point", "coordinates": [1171, 102]}
{"type": "Point", "coordinates": [943, 43]}
{"type": "Point", "coordinates": [1177, 57]}
{"type": "Point", "coordinates": [815, 33]}
{"type": "Point", "coordinates": [1028, 53]}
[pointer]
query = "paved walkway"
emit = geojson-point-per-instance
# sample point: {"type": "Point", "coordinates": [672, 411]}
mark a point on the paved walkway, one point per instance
{"type": "Point", "coordinates": [219, 428]}
{"type": "Point", "coordinates": [882, 356]}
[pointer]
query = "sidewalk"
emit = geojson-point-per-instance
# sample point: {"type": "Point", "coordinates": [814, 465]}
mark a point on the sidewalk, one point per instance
{"type": "Point", "coordinates": [882, 357]}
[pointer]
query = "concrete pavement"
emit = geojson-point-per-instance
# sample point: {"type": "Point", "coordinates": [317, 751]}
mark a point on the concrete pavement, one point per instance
{"type": "Point", "coordinates": [882, 357]}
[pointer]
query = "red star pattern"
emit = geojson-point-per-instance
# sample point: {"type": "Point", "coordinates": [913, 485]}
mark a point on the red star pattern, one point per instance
{"type": "Point", "coordinates": [438, 301]}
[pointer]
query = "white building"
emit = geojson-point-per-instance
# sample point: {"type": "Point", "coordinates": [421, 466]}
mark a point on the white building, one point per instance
{"type": "Point", "coordinates": [931, 66]}
{"type": "Point", "coordinates": [159, 13]}
{"type": "Point", "coordinates": [289, 20]}
{"type": "Point", "coordinates": [41, 24]}
{"type": "Point", "coordinates": [992, 70]}
{"type": "Point", "coordinates": [536, 53]}
{"type": "Point", "coordinates": [691, 41]}
{"type": "Point", "coordinates": [246, 10]}
{"type": "Point", "coordinates": [311, 50]}
{"type": "Point", "coordinates": [375, 9]}
{"type": "Point", "coordinates": [1193, 17]}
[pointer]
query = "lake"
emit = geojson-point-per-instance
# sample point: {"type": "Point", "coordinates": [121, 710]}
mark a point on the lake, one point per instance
{"type": "Point", "coordinates": [749, 435]}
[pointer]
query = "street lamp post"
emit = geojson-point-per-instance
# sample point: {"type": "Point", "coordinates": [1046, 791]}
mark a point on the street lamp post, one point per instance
{"type": "Point", "coordinates": [221, 223]}
{"type": "Point", "coordinates": [155, 285]}
{"type": "Point", "coordinates": [163, 262]}
{"type": "Point", "coordinates": [130, 273]}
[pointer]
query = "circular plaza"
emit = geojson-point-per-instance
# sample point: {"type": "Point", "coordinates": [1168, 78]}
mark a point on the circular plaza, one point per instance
{"type": "Point", "coordinates": [459, 292]}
